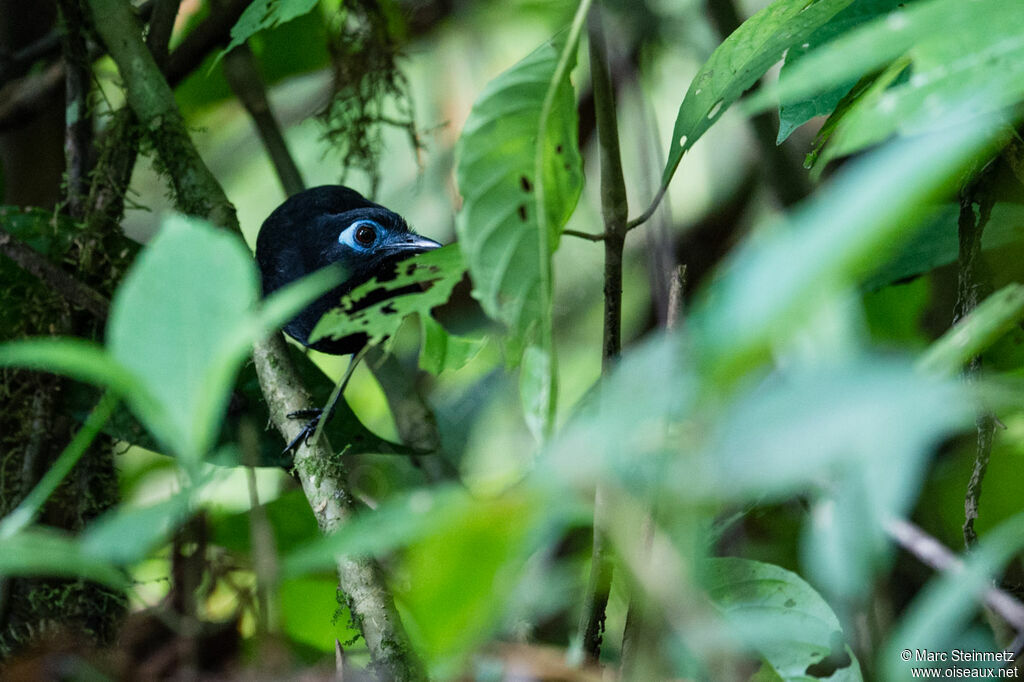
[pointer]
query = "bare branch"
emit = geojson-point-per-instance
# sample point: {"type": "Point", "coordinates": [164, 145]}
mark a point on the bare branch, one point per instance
{"type": "Point", "coordinates": [933, 553]}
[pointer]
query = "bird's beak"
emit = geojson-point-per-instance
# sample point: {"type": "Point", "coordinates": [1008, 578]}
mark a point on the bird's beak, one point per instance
{"type": "Point", "coordinates": [412, 245]}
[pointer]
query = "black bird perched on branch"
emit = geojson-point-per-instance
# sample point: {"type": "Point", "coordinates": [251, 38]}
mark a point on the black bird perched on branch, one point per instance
{"type": "Point", "coordinates": [331, 225]}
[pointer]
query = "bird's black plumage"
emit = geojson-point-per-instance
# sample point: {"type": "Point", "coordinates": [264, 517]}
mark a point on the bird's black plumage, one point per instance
{"type": "Point", "coordinates": [332, 225]}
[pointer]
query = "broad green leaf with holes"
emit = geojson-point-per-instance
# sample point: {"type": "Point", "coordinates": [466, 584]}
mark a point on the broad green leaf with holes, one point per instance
{"type": "Point", "coordinates": [738, 62]}
{"type": "Point", "coordinates": [263, 14]}
{"type": "Point", "coordinates": [377, 308]}
{"type": "Point", "coordinates": [508, 258]}
{"type": "Point", "coordinates": [784, 619]}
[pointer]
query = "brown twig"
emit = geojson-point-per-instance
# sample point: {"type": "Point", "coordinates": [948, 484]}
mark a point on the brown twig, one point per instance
{"type": "Point", "coordinates": [637, 633]}
{"type": "Point", "coordinates": [243, 77]}
{"type": "Point", "coordinates": [934, 554]}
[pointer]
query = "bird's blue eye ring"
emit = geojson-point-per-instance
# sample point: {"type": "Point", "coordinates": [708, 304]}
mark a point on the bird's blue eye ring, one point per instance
{"type": "Point", "coordinates": [363, 233]}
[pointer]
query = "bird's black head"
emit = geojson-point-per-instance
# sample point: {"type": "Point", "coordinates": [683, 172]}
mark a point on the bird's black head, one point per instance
{"type": "Point", "coordinates": [331, 225]}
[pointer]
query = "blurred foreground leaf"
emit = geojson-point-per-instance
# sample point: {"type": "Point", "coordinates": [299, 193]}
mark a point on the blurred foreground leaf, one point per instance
{"type": "Point", "coordinates": [177, 323]}
{"type": "Point", "coordinates": [44, 552]}
{"type": "Point", "coordinates": [778, 278]}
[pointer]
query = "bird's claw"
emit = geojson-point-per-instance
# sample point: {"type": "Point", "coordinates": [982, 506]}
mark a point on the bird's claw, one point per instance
{"type": "Point", "coordinates": [306, 433]}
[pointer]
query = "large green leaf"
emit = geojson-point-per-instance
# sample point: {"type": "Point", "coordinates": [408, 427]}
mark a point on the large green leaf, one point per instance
{"type": "Point", "coordinates": [179, 322]}
{"type": "Point", "coordinates": [955, 49]}
{"type": "Point", "coordinates": [738, 62]}
{"type": "Point", "coordinates": [784, 619]}
{"type": "Point", "coordinates": [792, 115]}
{"type": "Point", "coordinates": [498, 227]}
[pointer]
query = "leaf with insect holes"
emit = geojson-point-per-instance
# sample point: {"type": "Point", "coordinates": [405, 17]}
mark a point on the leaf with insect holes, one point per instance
{"type": "Point", "coordinates": [377, 308]}
{"type": "Point", "coordinates": [739, 61]}
{"type": "Point", "coordinates": [496, 164]}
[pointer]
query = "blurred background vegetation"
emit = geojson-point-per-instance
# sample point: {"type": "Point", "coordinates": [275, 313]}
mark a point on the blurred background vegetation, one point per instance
{"type": "Point", "coordinates": [800, 409]}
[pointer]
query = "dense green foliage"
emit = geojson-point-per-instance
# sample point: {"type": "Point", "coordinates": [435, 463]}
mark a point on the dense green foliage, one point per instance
{"type": "Point", "coordinates": [839, 371]}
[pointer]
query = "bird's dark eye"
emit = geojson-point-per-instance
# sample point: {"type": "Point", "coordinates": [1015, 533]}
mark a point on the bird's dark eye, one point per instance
{"type": "Point", "coordinates": [365, 234]}
{"type": "Point", "coordinates": [362, 234]}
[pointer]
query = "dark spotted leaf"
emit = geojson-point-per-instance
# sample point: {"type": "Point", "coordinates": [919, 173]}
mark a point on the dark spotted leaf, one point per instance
{"type": "Point", "coordinates": [377, 308]}
{"type": "Point", "coordinates": [507, 255]}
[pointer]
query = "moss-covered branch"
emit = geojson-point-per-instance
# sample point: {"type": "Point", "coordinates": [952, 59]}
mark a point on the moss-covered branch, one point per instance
{"type": "Point", "coordinates": [198, 192]}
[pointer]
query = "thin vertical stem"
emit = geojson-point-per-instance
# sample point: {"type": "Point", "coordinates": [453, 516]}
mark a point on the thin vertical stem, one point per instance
{"type": "Point", "coordinates": [614, 211]}
{"type": "Point", "coordinates": [78, 118]}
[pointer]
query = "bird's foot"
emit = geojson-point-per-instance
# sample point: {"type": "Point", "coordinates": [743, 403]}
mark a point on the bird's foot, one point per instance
{"type": "Point", "coordinates": [314, 415]}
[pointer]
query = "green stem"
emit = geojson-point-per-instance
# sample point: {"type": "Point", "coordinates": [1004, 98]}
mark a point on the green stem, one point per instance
{"type": "Point", "coordinates": [547, 342]}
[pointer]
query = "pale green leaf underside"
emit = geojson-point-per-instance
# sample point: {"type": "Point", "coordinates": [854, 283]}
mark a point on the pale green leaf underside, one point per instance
{"type": "Point", "coordinates": [179, 323]}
